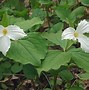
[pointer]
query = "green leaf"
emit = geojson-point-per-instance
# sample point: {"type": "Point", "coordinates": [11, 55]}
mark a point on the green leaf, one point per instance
{"type": "Point", "coordinates": [80, 58]}
{"type": "Point", "coordinates": [66, 75]}
{"type": "Point", "coordinates": [85, 2]}
{"type": "Point", "coordinates": [56, 39]}
{"type": "Point", "coordinates": [30, 71]}
{"type": "Point", "coordinates": [53, 37]}
{"type": "Point", "coordinates": [75, 88]}
{"type": "Point", "coordinates": [54, 60]}
{"type": "Point", "coordinates": [84, 76]}
{"type": "Point", "coordinates": [39, 13]}
{"type": "Point", "coordinates": [27, 24]}
{"type": "Point", "coordinates": [22, 13]}
{"type": "Point", "coordinates": [16, 68]}
{"type": "Point", "coordinates": [57, 27]}
{"type": "Point", "coordinates": [78, 12]}
{"type": "Point", "coordinates": [13, 20]}
{"type": "Point", "coordinates": [63, 12]}
{"type": "Point", "coordinates": [69, 2]}
{"type": "Point", "coordinates": [34, 3]}
{"type": "Point", "coordinates": [29, 50]}
{"type": "Point", "coordinates": [5, 20]}
{"type": "Point", "coordinates": [16, 4]}
{"type": "Point", "coordinates": [6, 64]}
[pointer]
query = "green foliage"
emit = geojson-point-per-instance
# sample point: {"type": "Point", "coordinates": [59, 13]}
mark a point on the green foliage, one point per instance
{"type": "Point", "coordinates": [13, 19]}
{"type": "Point", "coordinates": [27, 24]}
{"type": "Point", "coordinates": [17, 4]}
{"type": "Point", "coordinates": [85, 2]}
{"type": "Point", "coordinates": [84, 76]}
{"type": "Point", "coordinates": [43, 49]}
{"type": "Point", "coordinates": [55, 59]}
{"type": "Point", "coordinates": [39, 13]}
{"type": "Point", "coordinates": [56, 39]}
{"type": "Point", "coordinates": [33, 49]}
{"type": "Point", "coordinates": [63, 12]}
{"type": "Point", "coordinates": [68, 2]}
{"type": "Point", "coordinates": [16, 68]}
{"type": "Point", "coordinates": [30, 71]}
{"type": "Point", "coordinates": [57, 27]}
{"type": "Point", "coordinates": [80, 58]}
{"type": "Point", "coordinates": [5, 20]}
{"type": "Point", "coordinates": [66, 75]}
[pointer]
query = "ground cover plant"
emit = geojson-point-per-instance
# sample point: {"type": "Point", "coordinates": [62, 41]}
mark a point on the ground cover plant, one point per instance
{"type": "Point", "coordinates": [44, 45]}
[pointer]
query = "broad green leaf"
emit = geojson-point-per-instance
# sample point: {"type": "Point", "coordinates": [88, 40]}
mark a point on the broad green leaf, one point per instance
{"type": "Point", "coordinates": [5, 20]}
{"type": "Point", "coordinates": [16, 4]}
{"type": "Point", "coordinates": [84, 76]}
{"type": "Point", "coordinates": [4, 10]}
{"type": "Point", "coordinates": [57, 71]}
{"type": "Point", "coordinates": [54, 60]}
{"type": "Point", "coordinates": [80, 58]}
{"type": "Point", "coordinates": [78, 12]}
{"type": "Point", "coordinates": [13, 20]}
{"type": "Point", "coordinates": [39, 13]}
{"type": "Point", "coordinates": [75, 88]}
{"type": "Point", "coordinates": [57, 27]}
{"type": "Point", "coordinates": [29, 71]}
{"type": "Point", "coordinates": [6, 64]}
{"type": "Point", "coordinates": [66, 75]}
{"type": "Point", "coordinates": [23, 13]}
{"type": "Point", "coordinates": [29, 50]}
{"type": "Point", "coordinates": [85, 2]}
{"type": "Point", "coordinates": [27, 24]}
{"type": "Point", "coordinates": [16, 68]}
{"type": "Point", "coordinates": [56, 39]}
{"type": "Point", "coordinates": [53, 37]}
{"type": "Point", "coordinates": [63, 12]}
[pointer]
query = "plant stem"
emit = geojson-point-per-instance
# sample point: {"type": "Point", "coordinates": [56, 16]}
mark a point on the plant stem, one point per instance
{"type": "Point", "coordinates": [48, 20]}
{"type": "Point", "coordinates": [55, 82]}
{"type": "Point", "coordinates": [47, 79]}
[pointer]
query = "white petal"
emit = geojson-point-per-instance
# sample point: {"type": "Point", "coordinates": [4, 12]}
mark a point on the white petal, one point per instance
{"type": "Point", "coordinates": [68, 33]}
{"type": "Point", "coordinates": [1, 28]}
{"type": "Point", "coordinates": [15, 33]}
{"type": "Point", "coordinates": [83, 27]}
{"type": "Point", "coordinates": [84, 41]}
{"type": "Point", "coordinates": [4, 44]}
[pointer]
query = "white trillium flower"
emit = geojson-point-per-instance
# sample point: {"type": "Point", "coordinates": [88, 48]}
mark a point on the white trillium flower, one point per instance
{"type": "Point", "coordinates": [10, 32]}
{"type": "Point", "coordinates": [78, 34]}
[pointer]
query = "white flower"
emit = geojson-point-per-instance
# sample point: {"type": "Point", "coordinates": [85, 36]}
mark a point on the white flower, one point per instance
{"type": "Point", "coordinates": [71, 33]}
{"type": "Point", "coordinates": [10, 32]}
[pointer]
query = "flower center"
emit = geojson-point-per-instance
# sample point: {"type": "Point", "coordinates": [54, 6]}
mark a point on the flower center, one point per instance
{"type": "Point", "coordinates": [76, 34]}
{"type": "Point", "coordinates": [4, 32]}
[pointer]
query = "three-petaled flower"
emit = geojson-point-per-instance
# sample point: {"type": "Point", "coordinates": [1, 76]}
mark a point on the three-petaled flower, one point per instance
{"type": "Point", "coordinates": [10, 32]}
{"type": "Point", "coordinates": [78, 34]}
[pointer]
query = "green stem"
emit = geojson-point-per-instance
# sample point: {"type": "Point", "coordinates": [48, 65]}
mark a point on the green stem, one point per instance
{"type": "Point", "coordinates": [48, 20]}
{"type": "Point", "coordinates": [55, 82]}
{"type": "Point", "coordinates": [47, 80]}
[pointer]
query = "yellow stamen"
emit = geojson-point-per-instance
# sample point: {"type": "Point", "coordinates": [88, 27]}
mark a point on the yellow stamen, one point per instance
{"type": "Point", "coordinates": [4, 32]}
{"type": "Point", "coordinates": [76, 34]}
